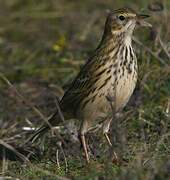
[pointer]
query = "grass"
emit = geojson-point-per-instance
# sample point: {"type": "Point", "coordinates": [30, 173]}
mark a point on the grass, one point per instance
{"type": "Point", "coordinates": [43, 45]}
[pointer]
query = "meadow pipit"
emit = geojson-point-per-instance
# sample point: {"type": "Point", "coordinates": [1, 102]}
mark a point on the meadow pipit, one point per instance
{"type": "Point", "coordinates": [110, 72]}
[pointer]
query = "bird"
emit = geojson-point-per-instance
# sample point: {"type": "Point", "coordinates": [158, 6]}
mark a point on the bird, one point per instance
{"type": "Point", "coordinates": [105, 82]}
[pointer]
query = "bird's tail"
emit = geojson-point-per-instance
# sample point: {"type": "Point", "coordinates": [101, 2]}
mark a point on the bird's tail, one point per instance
{"type": "Point", "coordinates": [38, 133]}
{"type": "Point", "coordinates": [53, 121]}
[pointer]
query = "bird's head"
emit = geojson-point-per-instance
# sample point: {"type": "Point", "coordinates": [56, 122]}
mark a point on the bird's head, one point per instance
{"type": "Point", "coordinates": [124, 21]}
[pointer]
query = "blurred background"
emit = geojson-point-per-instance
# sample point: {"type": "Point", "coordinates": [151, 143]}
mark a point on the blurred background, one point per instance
{"type": "Point", "coordinates": [43, 45]}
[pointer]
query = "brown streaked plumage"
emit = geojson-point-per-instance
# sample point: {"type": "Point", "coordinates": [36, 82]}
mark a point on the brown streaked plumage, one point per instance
{"type": "Point", "coordinates": [110, 71]}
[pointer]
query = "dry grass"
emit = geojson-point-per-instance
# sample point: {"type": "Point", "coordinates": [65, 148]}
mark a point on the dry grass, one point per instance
{"type": "Point", "coordinates": [43, 46]}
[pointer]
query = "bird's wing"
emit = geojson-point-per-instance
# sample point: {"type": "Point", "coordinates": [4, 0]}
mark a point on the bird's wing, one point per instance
{"type": "Point", "coordinates": [80, 88]}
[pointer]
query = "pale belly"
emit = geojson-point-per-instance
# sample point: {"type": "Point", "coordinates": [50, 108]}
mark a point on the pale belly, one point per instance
{"type": "Point", "coordinates": [123, 91]}
{"type": "Point", "coordinates": [119, 94]}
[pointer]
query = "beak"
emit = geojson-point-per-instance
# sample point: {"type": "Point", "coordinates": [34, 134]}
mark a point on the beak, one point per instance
{"type": "Point", "coordinates": [141, 21]}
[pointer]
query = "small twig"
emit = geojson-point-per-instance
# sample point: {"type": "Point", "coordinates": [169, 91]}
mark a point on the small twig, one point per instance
{"type": "Point", "coordinates": [163, 47]}
{"type": "Point", "coordinates": [65, 159]}
{"type": "Point", "coordinates": [25, 159]}
{"type": "Point", "coordinates": [10, 139]}
{"type": "Point", "coordinates": [29, 122]}
{"type": "Point", "coordinates": [167, 110]}
{"type": "Point", "coordinates": [61, 115]}
{"type": "Point", "coordinates": [21, 156]}
{"type": "Point", "coordinates": [37, 111]}
{"type": "Point", "coordinates": [4, 161]}
{"type": "Point", "coordinates": [150, 51]}
{"type": "Point", "coordinates": [144, 79]}
{"type": "Point", "coordinates": [162, 139]}
{"type": "Point", "coordinates": [59, 110]}
{"type": "Point", "coordinates": [57, 159]}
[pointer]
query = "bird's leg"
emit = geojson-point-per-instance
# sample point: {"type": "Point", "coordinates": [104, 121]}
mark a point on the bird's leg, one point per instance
{"type": "Point", "coordinates": [83, 141]}
{"type": "Point", "coordinates": [108, 139]}
{"type": "Point", "coordinates": [106, 126]}
{"type": "Point", "coordinates": [83, 130]}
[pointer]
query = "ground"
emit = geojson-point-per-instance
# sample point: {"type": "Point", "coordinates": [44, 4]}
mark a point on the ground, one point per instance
{"type": "Point", "coordinates": [43, 45]}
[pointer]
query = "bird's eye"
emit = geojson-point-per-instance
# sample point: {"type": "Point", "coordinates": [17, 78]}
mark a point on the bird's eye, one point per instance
{"type": "Point", "coordinates": [122, 18]}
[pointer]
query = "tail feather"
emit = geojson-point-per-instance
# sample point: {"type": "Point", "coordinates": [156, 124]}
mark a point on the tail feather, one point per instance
{"type": "Point", "coordinates": [38, 133]}
{"type": "Point", "coordinates": [53, 120]}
